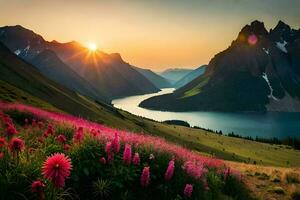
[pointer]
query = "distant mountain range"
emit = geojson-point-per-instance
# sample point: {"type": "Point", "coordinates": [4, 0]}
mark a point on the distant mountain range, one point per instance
{"type": "Point", "coordinates": [260, 71]}
{"type": "Point", "coordinates": [98, 75]}
{"type": "Point", "coordinates": [190, 76]}
{"type": "Point", "coordinates": [157, 80]}
{"type": "Point", "coordinates": [175, 74]}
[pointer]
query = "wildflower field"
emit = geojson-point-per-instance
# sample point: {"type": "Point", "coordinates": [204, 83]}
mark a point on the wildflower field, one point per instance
{"type": "Point", "coordinates": [47, 155]}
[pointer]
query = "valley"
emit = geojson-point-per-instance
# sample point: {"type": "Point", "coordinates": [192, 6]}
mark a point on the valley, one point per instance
{"type": "Point", "coordinates": [118, 100]}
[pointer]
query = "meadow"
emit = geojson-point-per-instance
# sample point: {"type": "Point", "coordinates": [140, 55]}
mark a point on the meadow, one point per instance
{"type": "Point", "coordinates": [49, 155]}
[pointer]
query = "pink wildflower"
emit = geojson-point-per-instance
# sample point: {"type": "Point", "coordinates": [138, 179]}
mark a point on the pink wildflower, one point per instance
{"type": "Point", "coordinates": [62, 139]}
{"type": "Point", "coordinates": [145, 177]}
{"type": "Point", "coordinates": [94, 133]}
{"type": "Point", "coordinates": [188, 190]}
{"type": "Point", "coordinates": [102, 160]}
{"type": "Point", "coordinates": [37, 186]}
{"type": "Point", "coordinates": [2, 142]}
{"type": "Point", "coordinates": [194, 169]}
{"type": "Point", "coordinates": [127, 155]}
{"type": "Point", "coordinates": [49, 131]}
{"type": "Point", "coordinates": [79, 134]}
{"type": "Point", "coordinates": [108, 147]}
{"type": "Point", "coordinates": [110, 157]}
{"type": "Point", "coordinates": [16, 145]}
{"type": "Point", "coordinates": [170, 170]}
{"type": "Point", "coordinates": [116, 144]}
{"type": "Point", "coordinates": [11, 130]}
{"type": "Point", "coordinates": [33, 123]}
{"type": "Point", "coordinates": [67, 147]}
{"type": "Point", "coordinates": [136, 159]}
{"type": "Point", "coordinates": [40, 125]}
{"type": "Point", "coordinates": [57, 168]}
{"type": "Point", "coordinates": [108, 150]}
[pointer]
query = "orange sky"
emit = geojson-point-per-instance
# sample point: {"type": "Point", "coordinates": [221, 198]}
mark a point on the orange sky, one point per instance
{"type": "Point", "coordinates": [151, 34]}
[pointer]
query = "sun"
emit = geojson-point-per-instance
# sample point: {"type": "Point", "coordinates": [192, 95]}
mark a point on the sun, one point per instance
{"type": "Point", "coordinates": [92, 47]}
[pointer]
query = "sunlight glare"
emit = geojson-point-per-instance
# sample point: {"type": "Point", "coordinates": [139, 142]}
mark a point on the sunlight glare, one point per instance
{"type": "Point", "coordinates": [92, 47]}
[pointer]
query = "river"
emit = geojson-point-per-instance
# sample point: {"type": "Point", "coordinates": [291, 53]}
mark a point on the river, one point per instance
{"type": "Point", "coordinates": [264, 125]}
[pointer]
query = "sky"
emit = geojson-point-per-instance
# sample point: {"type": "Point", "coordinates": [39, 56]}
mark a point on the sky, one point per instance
{"type": "Point", "coordinates": [154, 34]}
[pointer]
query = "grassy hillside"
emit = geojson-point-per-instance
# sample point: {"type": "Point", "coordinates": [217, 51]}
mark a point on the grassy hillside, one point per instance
{"type": "Point", "coordinates": [22, 83]}
{"type": "Point", "coordinates": [234, 149]}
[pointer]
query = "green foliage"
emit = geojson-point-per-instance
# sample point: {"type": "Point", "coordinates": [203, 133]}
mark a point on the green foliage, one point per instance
{"type": "Point", "coordinates": [102, 188]}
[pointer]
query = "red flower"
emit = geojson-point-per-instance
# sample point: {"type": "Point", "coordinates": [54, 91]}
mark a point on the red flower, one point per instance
{"type": "Point", "coordinates": [16, 144]}
{"type": "Point", "coordinates": [40, 125]}
{"type": "Point", "coordinates": [136, 159]}
{"type": "Point", "coordinates": [145, 177]}
{"type": "Point", "coordinates": [108, 147]}
{"type": "Point", "coordinates": [108, 150]}
{"type": "Point", "coordinates": [188, 190]}
{"type": "Point", "coordinates": [115, 145]}
{"type": "Point", "coordinates": [37, 186]}
{"type": "Point", "coordinates": [170, 170]}
{"type": "Point", "coordinates": [127, 155]}
{"type": "Point", "coordinates": [78, 136]}
{"type": "Point", "coordinates": [11, 130]}
{"type": "Point", "coordinates": [1, 155]}
{"type": "Point", "coordinates": [50, 130]}
{"type": "Point", "coordinates": [67, 147]}
{"type": "Point", "coordinates": [103, 161]}
{"type": "Point", "coordinates": [57, 168]}
{"type": "Point", "coordinates": [33, 123]}
{"type": "Point", "coordinates": [2, 142]}
{"type": "Point", "coordinates": [61, 138]}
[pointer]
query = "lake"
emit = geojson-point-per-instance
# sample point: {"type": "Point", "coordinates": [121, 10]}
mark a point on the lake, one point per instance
{"type": "Point", "coordinates": [264, 125]}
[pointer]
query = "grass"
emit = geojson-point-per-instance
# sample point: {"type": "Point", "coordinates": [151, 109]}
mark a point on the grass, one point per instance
{"type": "Point", "coordinates": [228, 148]}
{"type": "Point", "coordinates": [197, 89]}
{"type": "Point", "coordinates": [260, 180]}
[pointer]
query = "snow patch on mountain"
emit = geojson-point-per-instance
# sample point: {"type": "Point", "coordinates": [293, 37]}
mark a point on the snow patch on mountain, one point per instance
{"type": "Point", "coordinates": [26, 49]}
{"type": "Point", "coordinates": [17, 52]}
{"type": "Point", "coordinates": [266, 51]}
{"type": "Point", "coordinates": [281, 46]}
{"type": "Point", "coordinates": [265, 76]}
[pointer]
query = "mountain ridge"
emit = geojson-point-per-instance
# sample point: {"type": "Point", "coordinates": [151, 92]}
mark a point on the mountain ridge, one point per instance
{"type": "Point", "coordinates": [258, 68]}
{"type": "Point", "coordinates": [107, 73]}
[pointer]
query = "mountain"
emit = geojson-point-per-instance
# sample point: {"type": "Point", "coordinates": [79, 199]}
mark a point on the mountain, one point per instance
{"type": "Point", "coordinates": [190, 76]}
{"type": "Point", "coordinates": [22, 82]}
{"type": "Point", "coordinates": [259, 71]}
{"type": "Point", "coordinates": [157, 80]}
{"type": "Point", "coordinates": [109, 75]}
{"type": "Point", "coordinates": [175, 74]}
{"type": "Point", "coordinates": [51, 66]}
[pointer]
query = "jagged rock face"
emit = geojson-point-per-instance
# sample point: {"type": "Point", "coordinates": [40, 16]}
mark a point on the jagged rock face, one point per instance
{"type": "Point", "coordinates": [257, 68]}
{"type": "Point", "coordinates": [108, 74]}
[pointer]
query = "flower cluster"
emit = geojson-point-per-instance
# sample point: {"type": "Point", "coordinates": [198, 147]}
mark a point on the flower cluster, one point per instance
{"type": "Point", "coordinates": [121, 147]}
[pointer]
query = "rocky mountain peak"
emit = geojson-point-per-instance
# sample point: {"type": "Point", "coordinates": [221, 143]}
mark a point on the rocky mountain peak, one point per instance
{"type": "Point", "coordinates": [256, 27]}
